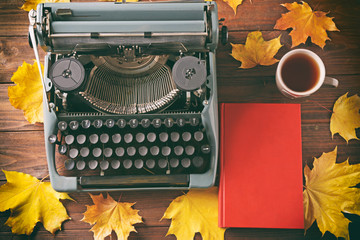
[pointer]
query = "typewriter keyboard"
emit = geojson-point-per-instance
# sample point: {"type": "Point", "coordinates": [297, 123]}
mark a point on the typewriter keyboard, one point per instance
{"type": "Point", "coordinates": [153, 144]}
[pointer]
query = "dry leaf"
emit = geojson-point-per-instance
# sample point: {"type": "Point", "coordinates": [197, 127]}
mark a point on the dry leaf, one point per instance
{"type": "Point", "coordinates": [27, 94]}
{"type": "Point", "coordinates": [30, 201]}
{"type": "Point", "coordinates": [108, 215]}
{"type": "Point", "coordinates": [256, 50]}
{"type": "Point", "coordinates": [196, 211]}
{"type": "Point", "coordinates": [346, 117]}
{"type": "Point", "coordinates": [329, 191]}
{"type": "Point", "coordinates": [305, 23]}
{"type": "Point", "coordinates": [233, 4]}
{"type": "Point", "coordinates": [31, 4]}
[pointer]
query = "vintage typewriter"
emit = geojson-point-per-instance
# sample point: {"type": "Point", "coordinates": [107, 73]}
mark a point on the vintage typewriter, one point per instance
{"type": "Point", "coordinates": [130, 97]}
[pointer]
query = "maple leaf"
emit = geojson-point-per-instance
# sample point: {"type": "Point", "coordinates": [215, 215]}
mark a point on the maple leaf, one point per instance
{"type": "Point", "coordinates": [305, 23]}
{"type": "Point", "coordinates": [196, 211]}
{"type": "Point", "coordinates": [31, 4]}
{"type": "Point", "coordinates": [346, 117]}
{"type": "Point", "coordinates": [28, 92]}
{"type": "Point", "coordinates": [30, 201]}
{"type": "Point", "coordinates": [108, 215]}
{"type": "Point", "coordinates": [233, 4]}
{"type": "Point", "coordinates": [256, 50]}
{"type": "Point", "coordinates": [329, 191]}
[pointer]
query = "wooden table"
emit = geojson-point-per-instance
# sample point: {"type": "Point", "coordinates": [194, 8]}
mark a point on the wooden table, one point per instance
{"type": "Point", "coordinates": [22, 148]}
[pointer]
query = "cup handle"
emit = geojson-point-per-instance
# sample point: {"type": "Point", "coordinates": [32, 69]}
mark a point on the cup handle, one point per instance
{"type": "Point", "coordinates": [331, 81]}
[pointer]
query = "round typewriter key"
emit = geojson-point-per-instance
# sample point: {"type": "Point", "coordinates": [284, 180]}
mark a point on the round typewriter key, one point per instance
{"type": "Point", "coordinates": [178, 150]}
{"type": "Point", "coordinates": [186, 136]}
{"type": "Point", "coordinates": [69, 164]}
{"type": "Point", "coordinates": [162, 163]}
{"type": "Point", "coordinates": [185, 162]}
{"type": "Point", "coordinates": [156, 122]}
{"type": "Point", "coordinates": [94, 138]}
{"type": "Point", "coordinates": [140, 137]}
{"type": "Point", "coordinates": [85, 124]}
{"type": "Point", "coordinates": [84, 152]}
{"type": "Point", "coordinates": [143, 151]}
{"type": "Point", "coordinates": [174, 136]}
{"type": "Point", "coordinates": [104, 165]}
{"type": "Point", "coordinates": [108, 152]}
{"type": "Point", "coordinates": [62, 125]}
{"type": "Point", "coordinates": [93, 164]}
{"type": "Point", "coordinates": [166, 151]}
{"type": "Point", "coordinates": [169, 122]}
{"type": "Point", "coordinates": [198, 161]}
{"type": "Point", "coordinates": [73, 153]}
{"type": "Point", "coordinates": [133, 123]}
{"type": "Point", "coordinates": [121, 123]}
{"type": "Point", "coordinates": [116, 138]}
{"type": "Point", "coordinates": [163, 136]}
{"type": "Point", "coordinates": [205, 148]}
{"type": "Point", "coordinates": [138, 163]}
{"type": "Point", "coordinates": [74, 125]}
{"type": "Point", "coordinates": [104, 138]}
{"type": "Point", "coordinates": [150, 163]}
{"type": "Point", "coordinates": [62, 149]}
{"type": "Point", "coordinates": [80, 165]}
{"type": "Point", "coordinates": [96, 152]}
{"type": "Point", "coordinates": [199, 136]}
{"type": "Point", "coordinates": [194, 121]}
{"type": "Point", "coordinates": [131, 151]}
{"type": "Point", "coordinates": [128, 138]}
{"type": "Point", "coordinates": [180, 122]}
{"type": "Point", "coordinates": [115, 164]}
{"type": "Point", "coordinates": [52, 138]}
{"type": "Point", "coordinates": [81, 139]}
{"type": "Point", "coordinates": [120, 151]}
{"type": "Point", "coordinates": [109, 123]}
{"type": "Point", "coordinates": [189, 150]}
{"type": "Point", "coordinates": [174, 162]}
{"type": "Point", "coordinates": [98, 123]}
{"type": "Point", "coordinates": [145, 123]}
{"type": "Point", "coordinates": [154, 150]}
{"type": "Point", "coordinates": [127, 163]}
{"type": "Point", "coordinates": [151, 137]}
{"type": "Point", "coordinates": [69, 139]}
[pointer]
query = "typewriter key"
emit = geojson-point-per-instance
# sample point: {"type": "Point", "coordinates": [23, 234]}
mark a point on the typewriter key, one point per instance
{"type": "Point", "coordinates": [109, 123]}
{"type": "Point", "coordinates": [180, 122]}
{"type": "Point", "coordinates": [119, 151]}
{"type": "Point", "coordinates": [92, 164]}
{"type": "Point", "coordinates": [140, 137]}
{"type": "Point", "coordinates": [145, 123]}
{"type": "Point", "coordinates": [169, 122]}
{"type": "Point", "coordinates": [98, 123]}
{"type": "Point", "coordinates": [143, 151]}
{"type": "Point", "coordinates": [62, 125]}
{"type": "Point", "coordinates": [104, 165]}
{"type": "Point", "coordinates": [133, 123]}
{"type": "Point", "coordinates": [189, 150]}
{"type": "Point", "coordinates": [198, 161]}
{"type": "Point", "coordinates": [84, 152]}
{"type": "Point", "coordinates": [185, 162]}
{"type": "Point", "coordinates": [163, 136]}
{"type": "Point", "coordinates": [73, 153]}
{"type": "Point", "coordinates": [94, 138]}
{"type": "Point", "coordinates": [154, 150]}
{"type": "Point", "coordinates": [104, 138]}
{"type": "Point", "coordinates": [62, 149]}
{"type": "Point", "coordinates": [174, 136]}
{"type": "Point", "coordinates": [115, 164]}
{"type": "Point", "coordinates": [69, 139]}
{"type": "Point", "coordinates": [131, 151]}
{"type": "Point", "coordinates": [178, 150]}
{"type": "Point", "coordinates": [121, 123]}
{"type": "Point", "coordinates": [128, 138]}
{"type": "Point", "coordinates": [138, 163]}
{"type": "Point", "coordinates": [80, 165]}
{"type": "Point", "coordinates": [151, 137]}
{"type": "Point", "coordinates": [81, 139]}
{"type": "Point", "coordinates": [174, 162]}
{"type": "Point", "coordinates": [108, 152]}
{"type": "Point", "coordinates": [186, 136]}
{"type": "Point", "coordinates": [96, 152]}
{"type": "Point", "coordinates": [198, 136]}
{"type": "Point", "coordinates": [150, 163]}
{"type": "Point", "coordinates": [52, 138]}
{"type": "Point", "coordinates": [194, 121]}
{"type": "Point", "coordinates": [162, 163]}
{"type": "Point", "coordinates": [69, 164]}
{"type": "Point", "coordinates": [116, 138]}
{"type": "Point", "coordinates": [127, 163]}
{"type": "Point", "coordinates": [166, 151]}
{"type": "Point", "coordinates": [156, 122]}
{"type": "Point", "coordinates": [74, 125]}
{"type": "Point", "coordinates": [85, 124]}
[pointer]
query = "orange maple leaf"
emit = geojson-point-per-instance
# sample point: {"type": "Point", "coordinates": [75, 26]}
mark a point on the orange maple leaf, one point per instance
{"type": "Point", "coordinates": [108, 215]}
{"type": "Point", "coordinates": [305, 23]}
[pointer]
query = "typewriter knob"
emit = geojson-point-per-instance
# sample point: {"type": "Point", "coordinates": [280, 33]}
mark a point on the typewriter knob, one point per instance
{"type": "Point", "coordinates": [224, 35]}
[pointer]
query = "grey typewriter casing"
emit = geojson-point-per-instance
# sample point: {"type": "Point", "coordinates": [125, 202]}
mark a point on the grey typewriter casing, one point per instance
{"type": "Point", "coordinates": [65, 28]}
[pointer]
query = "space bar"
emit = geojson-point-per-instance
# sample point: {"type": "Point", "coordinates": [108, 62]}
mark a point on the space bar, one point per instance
{"type": "Point", "coordinates": [137, 181]}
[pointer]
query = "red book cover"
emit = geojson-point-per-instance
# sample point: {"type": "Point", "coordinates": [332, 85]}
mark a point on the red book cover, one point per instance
{"type": "Point", "coordinates": [261, 166]}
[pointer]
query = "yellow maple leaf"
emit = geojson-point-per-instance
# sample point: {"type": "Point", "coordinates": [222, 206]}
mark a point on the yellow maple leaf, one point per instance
{"type": "Point", "coordinates": [27, 94]}
{"type": "Point", "coordinates": [329, 191]}
{"type": "Point", "coordinates": [346, 117]}
{"type": "Point", "coordinates": [256, 50]}
{"type": "Point", "coordinates": [30, 201]}
{"type": "Point", "coordinates": [31, 4]}
{"type": "Point", "coordinates": [305, 23]}
{"type": "Point", "coordinates": [233, 4]}
{"type": "Point", "coordinates": [108, 215]}
{"type": "Point", "coordinates": [196, 211]}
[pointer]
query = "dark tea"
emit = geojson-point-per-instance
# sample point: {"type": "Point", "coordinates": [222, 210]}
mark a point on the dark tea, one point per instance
{"type": "Point", "coordinates": [300, 72]}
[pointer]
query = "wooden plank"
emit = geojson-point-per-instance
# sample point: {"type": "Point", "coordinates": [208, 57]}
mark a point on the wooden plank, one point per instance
{"type": "Point", "coordinates": [12, 119]}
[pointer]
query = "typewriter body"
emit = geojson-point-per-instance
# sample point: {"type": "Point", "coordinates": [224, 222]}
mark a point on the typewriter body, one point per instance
{"type": "Point", "coordinates": [130, 97]}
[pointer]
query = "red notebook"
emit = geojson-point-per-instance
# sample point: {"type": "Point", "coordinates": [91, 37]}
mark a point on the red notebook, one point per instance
{"type": "Point", "coordinates": [261, 166]}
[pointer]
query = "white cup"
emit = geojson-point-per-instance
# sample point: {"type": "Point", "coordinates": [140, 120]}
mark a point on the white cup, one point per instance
{"type": "Point", "coordinates": [322, 79]}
